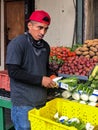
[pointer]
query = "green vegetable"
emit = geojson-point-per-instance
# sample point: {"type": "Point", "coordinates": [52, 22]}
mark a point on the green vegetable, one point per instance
{"type": "Point", "coordinates": [71, 81]}
{"type": "Point", "coordinates": [86, 88]}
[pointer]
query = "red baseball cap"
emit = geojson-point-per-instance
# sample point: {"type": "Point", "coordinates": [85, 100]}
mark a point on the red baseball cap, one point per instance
{"type": "Point", "coordinates": [40, 16]}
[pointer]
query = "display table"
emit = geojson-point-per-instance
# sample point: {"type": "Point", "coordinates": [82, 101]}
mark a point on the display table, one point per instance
{"type": "Point", "coordinates": [4, 103]}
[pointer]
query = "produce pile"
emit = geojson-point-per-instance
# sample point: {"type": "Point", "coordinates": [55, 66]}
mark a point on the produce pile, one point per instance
{"type": "Point", "coordinates": [77, 61]}
{"type": "Point", "coordinates": [81, 91]}
{"type": "Point", "coordinates": [77, 66]}
{"type": "Point", "coordinates": [75, 90]}
{"type": "Point", "coordinates": [58, 56]}
{"type": "Point", "coordinates": [82, 61]}
{"type": "Point", "coordinates": [89, 49]}
{"type": "Point", "coordinates": [61, 52]}
{"type": "Point", "coordinates": [73, 122]}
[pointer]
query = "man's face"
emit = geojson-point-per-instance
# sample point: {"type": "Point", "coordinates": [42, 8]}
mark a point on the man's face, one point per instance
{"type": "Point", "coordinates": [37, 30]}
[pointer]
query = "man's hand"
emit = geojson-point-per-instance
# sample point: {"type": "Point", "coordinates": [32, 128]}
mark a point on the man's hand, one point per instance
{"type": "Point", "coordinates": [48, 82]}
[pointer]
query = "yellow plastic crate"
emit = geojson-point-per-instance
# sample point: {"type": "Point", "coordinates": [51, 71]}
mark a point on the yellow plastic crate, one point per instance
{"type": "Point", "coordinates": [42, 119]}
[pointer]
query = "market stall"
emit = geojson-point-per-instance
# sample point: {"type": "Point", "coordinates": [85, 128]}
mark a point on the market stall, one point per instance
{"type": "Point", "coordinates": [76, 77]}
{"type": "Point", "coordinates": [76, 107]}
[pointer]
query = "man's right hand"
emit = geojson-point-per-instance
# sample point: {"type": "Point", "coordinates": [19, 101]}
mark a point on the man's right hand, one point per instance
{"type": "Point", "coordinates": [48, 82]}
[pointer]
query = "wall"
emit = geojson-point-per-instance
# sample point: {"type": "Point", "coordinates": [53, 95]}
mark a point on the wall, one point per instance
{"type": "Point", "coordinates": [62, 13]}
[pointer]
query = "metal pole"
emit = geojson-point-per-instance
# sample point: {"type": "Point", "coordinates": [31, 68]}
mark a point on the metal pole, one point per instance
{"type": "Point", "coordinates": [79, 21]}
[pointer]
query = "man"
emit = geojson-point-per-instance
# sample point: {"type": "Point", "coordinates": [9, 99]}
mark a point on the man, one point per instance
{"type": "Point", "coordinates": [28, 67]}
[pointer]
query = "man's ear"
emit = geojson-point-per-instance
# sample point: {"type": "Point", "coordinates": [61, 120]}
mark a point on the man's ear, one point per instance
{"type": "Point", "coordinates": [29, 25]}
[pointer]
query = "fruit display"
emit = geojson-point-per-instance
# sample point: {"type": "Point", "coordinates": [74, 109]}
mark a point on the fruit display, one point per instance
{"type": "Point", "coordinates": [74, 61]}
{"type": "Point", "coordinates": [89, 49]}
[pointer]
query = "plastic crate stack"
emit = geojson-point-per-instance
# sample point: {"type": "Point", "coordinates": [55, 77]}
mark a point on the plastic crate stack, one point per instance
{"type": "Point", "coordinates": [4, 84]}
